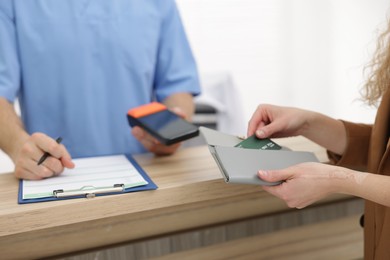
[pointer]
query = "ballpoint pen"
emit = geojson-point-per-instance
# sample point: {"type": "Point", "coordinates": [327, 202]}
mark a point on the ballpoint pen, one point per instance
{"type": "Point", "coordinates": [46, 154]}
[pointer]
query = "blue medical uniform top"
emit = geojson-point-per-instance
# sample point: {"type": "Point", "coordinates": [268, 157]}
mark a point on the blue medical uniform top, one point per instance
{"type": "Point", "coordinates": [78, 66]}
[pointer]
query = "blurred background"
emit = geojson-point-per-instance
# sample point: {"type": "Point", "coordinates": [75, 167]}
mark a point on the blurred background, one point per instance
{"type": "Point", "coordinates": [304, 53]}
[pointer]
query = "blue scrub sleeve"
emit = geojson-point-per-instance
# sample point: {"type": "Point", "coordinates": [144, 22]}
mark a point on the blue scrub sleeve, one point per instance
{"type": "Point", "coordinates": [176, 68]}
{"type": "Point", "coordinates": [9, 62]}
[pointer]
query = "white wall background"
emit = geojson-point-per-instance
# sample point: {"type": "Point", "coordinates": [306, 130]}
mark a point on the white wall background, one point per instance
{"type": "Point", "coordinates": [302, 53]}
{"type": "Point", "coordinates": [306, 53]}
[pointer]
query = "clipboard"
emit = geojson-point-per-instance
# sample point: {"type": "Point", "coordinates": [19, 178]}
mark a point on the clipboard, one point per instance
{"type": "Point", "coordinates": [240, 165]}
{"type": "Point", "coordinates": [87, 191]}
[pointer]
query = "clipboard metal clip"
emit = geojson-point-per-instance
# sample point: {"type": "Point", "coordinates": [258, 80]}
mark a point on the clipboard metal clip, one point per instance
{"type": "Point", "coordinates": [88, 191]}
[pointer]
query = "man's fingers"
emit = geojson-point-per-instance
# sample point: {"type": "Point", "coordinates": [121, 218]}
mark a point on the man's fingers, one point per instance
{"type": "Point", "coordinates": [53, 165]}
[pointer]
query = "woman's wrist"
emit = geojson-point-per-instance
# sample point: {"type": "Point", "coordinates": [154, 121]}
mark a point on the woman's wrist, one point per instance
{"type": "Point", "coordinates": [310, 119]}
{"type": "Point", "coordinates": [347, 181]}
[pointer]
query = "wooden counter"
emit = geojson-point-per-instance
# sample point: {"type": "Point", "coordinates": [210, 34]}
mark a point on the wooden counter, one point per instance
{"type": "Point", "coordinates": [191, 195]}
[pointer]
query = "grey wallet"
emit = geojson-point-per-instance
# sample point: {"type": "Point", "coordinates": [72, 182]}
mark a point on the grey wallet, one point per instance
{"type": "Point", "coordinates": [239, 165]}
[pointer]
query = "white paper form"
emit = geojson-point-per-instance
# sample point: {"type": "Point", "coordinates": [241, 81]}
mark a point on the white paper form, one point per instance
{"type": "Point", "coordinates": [89, 173]}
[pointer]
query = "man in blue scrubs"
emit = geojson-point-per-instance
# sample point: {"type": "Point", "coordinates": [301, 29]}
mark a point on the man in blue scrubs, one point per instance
{"type": "Point", "coordinates": [77, 66]}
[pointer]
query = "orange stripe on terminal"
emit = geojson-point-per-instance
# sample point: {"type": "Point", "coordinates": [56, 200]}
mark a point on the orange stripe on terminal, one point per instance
{"type": "Point", "coordinates": [147, 109]}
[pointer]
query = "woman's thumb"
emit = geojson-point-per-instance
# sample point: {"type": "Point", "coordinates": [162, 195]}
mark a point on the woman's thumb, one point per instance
{"type": "Point", "coordinates": [264, 132]}
{"type": "Point", "coordinates": [270, 176]}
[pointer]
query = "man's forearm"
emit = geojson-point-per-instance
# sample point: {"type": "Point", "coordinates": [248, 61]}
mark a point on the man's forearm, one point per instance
{"type": "Point", "coordinates": [182, 100]}
{"type": "Point", "coordinates": [12, 133]}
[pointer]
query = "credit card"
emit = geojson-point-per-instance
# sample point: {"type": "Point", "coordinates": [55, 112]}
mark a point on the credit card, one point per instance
{"type": "Point", "coordinates": [253, 142]}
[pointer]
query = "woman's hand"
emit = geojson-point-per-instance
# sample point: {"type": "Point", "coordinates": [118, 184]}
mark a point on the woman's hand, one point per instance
{"type": "Point", "coordinates": [306, 183]}
{"type": "Point", "coordinates": [275, 121]}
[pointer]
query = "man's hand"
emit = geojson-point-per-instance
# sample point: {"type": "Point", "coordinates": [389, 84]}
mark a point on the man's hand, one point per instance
{"type": "Point", "coordinates": [152, 144]}
{"type": "Point", "coordinates": [31, 151]}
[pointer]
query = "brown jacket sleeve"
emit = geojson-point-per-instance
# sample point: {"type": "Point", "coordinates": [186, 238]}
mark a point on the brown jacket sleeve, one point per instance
{"type": "Point", "coordinates": [356, 153]}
